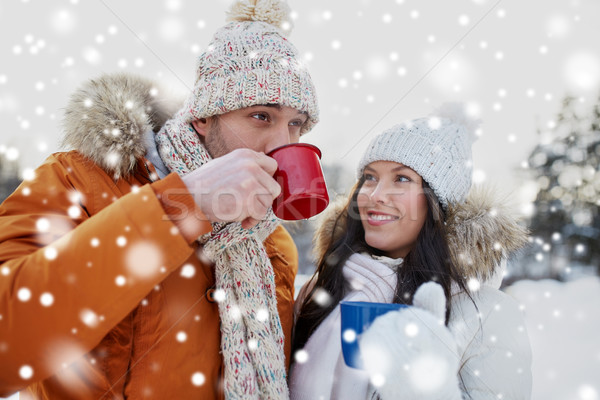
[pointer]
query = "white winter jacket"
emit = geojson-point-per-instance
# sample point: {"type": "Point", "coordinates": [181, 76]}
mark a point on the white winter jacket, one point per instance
{"type": "Point", "coordinates": [489, 331]}
{"type": "Point", "coordinates": [495, 355]}
{"type": "Point", "coordinates": [488, 327]}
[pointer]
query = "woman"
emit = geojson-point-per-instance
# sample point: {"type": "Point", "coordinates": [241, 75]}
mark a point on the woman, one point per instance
{"type": "Point", "coordinates": [410, 234]}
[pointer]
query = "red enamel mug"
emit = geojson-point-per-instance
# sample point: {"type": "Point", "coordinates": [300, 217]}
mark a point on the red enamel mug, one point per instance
{"type": "Point", "coordinates": [300, 175]}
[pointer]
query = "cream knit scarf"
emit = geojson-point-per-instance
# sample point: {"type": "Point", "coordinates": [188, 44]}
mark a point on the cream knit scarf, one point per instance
{"type": "Point", "coordinates": [251, 333]}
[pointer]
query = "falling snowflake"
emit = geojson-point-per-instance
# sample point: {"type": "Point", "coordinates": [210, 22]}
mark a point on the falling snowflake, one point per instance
{"type": "Point", "coordinates": [89, 318]}
{"type": "Point", "coordinates": [219, 295]}
{"type": "Point", "coordinates": [321, 297]}
{"type": "Point", "coordinates": [121, 241]}
{"type": "Point", "coordinates": [92, 55]}
{"type": "Point", "coordinates": [262, 315]}
{"type": "Point", "coordinates": [301, 356]}
{"type": "Point", "coordinates": [349, 335]}
{"type": "Point", "coordinates": [198, 379]}
{"type": "Point", "coordinates": [252, 344]}
{"type": "Point", "coordinates": [143, 259]}
{"type": "Point", "coordinates": [464, 20]}
{"type": "Point", "coordinates": [411, 329]}
{"type": "Point", "coordinates": [181, 336]}
{"type": "Point", "coordinates": [434, 123]}
{"type": "Point", "coordinates": [473, 284]}
{"type": "Point", "coordinates": [173, 5]}
{"type": "Point", "coordinates": [63, 21]}
{"type": "Point", "coordinates": [50, 253]}
{"type": "Point", "coordinates": [74, 212]}
{"type": "Point", "coordinates": [377, 68]}
{"type": "Point", "coordinates": [587, 392]}
{"type": "Point", "coordinates": [582, 70]}
{"type": "Point", "coordinates": [47, 299]}
{"type": "Point", "coordinates": [26, 372]}
{"type": "Point", "coordinates": [188, 271]}
{"type": "Point", "coordinates": [42, 224]}
{"type": "Point", "coordinates": [235, 312]}
{"type": "Point", "coordinates": [378, 380]}
{"type": "Point", "coordinates": [557, 26]}
{"type": "Point", "coordinates": [24, 294]}
{"type": "Point", "coordinates": [171, 28]}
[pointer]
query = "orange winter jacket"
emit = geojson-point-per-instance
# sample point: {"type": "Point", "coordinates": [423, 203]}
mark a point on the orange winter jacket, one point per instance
{"type": "Point", "coordinates": [102, 297]}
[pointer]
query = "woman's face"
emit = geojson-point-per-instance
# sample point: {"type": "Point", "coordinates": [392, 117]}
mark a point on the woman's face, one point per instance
{"type": "Point", "coordinates": [392, 207]}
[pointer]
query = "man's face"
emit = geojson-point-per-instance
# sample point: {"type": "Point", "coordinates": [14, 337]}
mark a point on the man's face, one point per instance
{"type": "Point", "coordinates": [260, 128]}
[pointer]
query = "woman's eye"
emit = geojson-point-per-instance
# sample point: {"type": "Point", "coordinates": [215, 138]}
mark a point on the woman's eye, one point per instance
{"type": "Point", "coordinates": [369, 177]}
{"type": "Point", "coordinates": [401, 178]}
{"type": "Point", "coordinates": [296, 123]}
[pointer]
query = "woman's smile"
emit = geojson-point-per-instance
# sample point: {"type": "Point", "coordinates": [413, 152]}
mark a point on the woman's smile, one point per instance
{"type": "Point", "coordinates": [377, 218]}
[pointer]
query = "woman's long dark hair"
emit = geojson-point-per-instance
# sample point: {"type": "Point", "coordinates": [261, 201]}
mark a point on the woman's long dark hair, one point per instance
{"type": "Point", "coordinates": [429, 260]}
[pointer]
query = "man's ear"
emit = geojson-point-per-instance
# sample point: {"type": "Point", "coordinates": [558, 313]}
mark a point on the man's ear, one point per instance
{"type": "Point", "coordinates": [201, 126]}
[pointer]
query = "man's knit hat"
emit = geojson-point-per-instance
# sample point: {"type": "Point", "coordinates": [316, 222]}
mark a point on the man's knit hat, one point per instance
{"type": "Point", "coordinates": [250, 62]}
{"type": "Point", "coordinates": [437, 147]}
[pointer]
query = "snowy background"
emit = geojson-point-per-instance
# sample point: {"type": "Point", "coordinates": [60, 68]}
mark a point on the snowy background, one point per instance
{"type": "Point", "coordinates": [375, 63]}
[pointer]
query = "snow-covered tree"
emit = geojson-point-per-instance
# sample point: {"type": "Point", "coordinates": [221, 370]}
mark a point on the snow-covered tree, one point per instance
{"type": "Point", "coordinates": [566, 220]}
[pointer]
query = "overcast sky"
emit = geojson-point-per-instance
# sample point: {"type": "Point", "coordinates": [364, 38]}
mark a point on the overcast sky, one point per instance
{"type": "Point", "coordinates": [374, 62]}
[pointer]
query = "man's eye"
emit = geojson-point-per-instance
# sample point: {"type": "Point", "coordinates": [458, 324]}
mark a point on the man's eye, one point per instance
{"type": "Point", "coordinates": [296, 123]}
{"type": "Point", "coordinates": [261, 116]}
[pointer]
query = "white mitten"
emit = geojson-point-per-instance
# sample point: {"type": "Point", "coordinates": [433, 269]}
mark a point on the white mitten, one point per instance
{"type": "Point", "coordinates": [410, 353]}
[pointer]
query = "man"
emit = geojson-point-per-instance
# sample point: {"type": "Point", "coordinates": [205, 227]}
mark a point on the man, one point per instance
{"type": "Point", "coordinates": [145, 263]}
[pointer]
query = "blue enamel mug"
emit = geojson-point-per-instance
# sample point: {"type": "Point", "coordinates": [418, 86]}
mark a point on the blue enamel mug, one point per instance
{"type": "Point", "coordinates": [357, 316]}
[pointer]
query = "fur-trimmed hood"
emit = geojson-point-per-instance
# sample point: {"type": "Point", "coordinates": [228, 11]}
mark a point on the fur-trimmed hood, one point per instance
{"type": "Point", "coordinates": [106, 119]}
{"type": "Point", "coordinates": [481, 232]}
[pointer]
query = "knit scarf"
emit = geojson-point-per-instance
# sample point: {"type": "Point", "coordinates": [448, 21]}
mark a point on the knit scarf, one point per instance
{"type": "Point", "coordinates": [251, 334]}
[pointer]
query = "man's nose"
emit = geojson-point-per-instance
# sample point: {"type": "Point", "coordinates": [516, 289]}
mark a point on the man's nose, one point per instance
{"type": "Point", "coordinates": [279, 137]}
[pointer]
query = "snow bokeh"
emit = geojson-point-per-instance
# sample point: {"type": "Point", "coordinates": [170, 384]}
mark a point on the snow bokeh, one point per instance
{"type": "Point", "coordinates": [198, 379]}
{"type": "Point", "coordinates": [26, 372]}
{"type": "Point", "coordinates": [374, 64]}
{"type": "Point", "coordinates": [583, 70]}
{"type": "Point", "coordinates": [142, 259]}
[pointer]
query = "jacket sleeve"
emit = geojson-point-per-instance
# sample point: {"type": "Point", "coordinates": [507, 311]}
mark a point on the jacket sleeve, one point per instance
{"type": "Point", "coordinates": [68, 277]}
{"type": "Point", "coordinates": [496, 362]}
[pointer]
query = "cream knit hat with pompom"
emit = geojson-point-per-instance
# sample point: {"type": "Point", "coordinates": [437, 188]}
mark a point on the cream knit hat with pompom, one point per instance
{"type": "Point", "coordinates": [437, 147]}
{"type": "Point", "coordinates": [250, 62]}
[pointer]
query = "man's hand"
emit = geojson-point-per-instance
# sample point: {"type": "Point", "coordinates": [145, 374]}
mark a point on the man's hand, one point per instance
{"type": "Point", "coordinates": [238, 186]}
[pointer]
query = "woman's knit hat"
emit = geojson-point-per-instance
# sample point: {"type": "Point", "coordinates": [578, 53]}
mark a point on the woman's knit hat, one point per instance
{"type": "Point", "coordinates": [437, 147]}
{"type": "Point", "coordinates": [250, 62]}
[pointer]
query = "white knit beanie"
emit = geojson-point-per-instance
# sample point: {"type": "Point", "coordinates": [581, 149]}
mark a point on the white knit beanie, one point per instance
{"type": "Point", "coordinates": [437, 147]}
{"type": "Point", "coordinates": [250, 62]}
